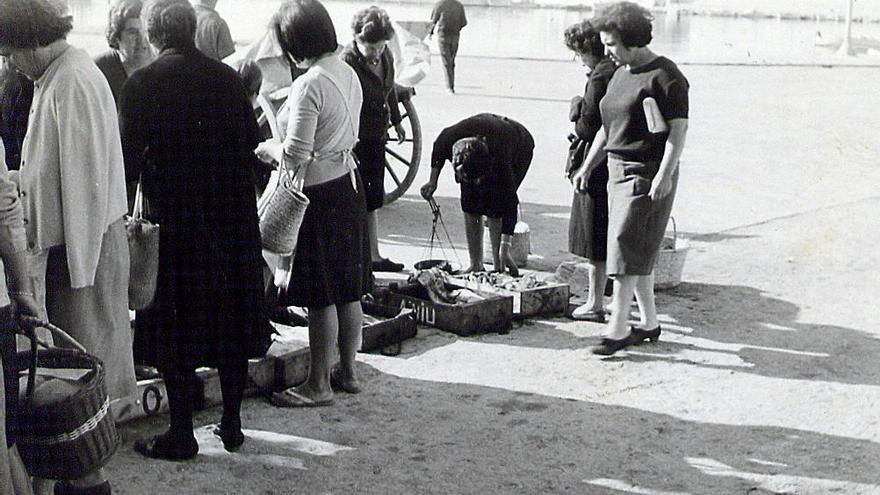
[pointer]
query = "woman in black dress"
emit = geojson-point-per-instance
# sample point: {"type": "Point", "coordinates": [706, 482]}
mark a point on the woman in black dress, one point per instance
{"type": "Point", "coordinates": [374, 64]}
{"type": "Point", "coordinates": [189, 131]}
{"type": "Point", "coordinates": [588, 227]}
{"type": "Point", "coordinates": [644, 125]}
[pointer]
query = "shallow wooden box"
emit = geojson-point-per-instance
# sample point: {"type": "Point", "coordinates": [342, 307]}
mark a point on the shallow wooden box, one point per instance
{"type": "Point", "coordinates": [493, 314]}
{"type": "Point", "coordinates": [549, 299]}
{"type": "Point", "coordinates": [396, 326]}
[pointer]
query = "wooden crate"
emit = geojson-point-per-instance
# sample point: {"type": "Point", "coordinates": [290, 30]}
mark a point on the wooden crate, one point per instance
{"type": "Point", "coordinates": [399, 326]}
{"type": "Point", "coordinates": [549, 299]}
{"type": "Point", "coordinates": [291, 368]}
{"type": "Point", "coordinates": [493, 314]}
{"type": "Point", "coordinates": [152, 397]}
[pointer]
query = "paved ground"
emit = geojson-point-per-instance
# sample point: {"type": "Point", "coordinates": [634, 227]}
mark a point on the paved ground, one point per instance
{"type": "Point", "coordinates": [766, 380]}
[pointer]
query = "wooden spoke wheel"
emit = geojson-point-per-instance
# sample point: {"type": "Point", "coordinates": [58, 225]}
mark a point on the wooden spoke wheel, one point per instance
{"type": "Point", "coordinates": [402, 159]}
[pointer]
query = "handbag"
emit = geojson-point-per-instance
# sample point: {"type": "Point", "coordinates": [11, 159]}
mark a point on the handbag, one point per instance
{"type": "Point", "coordinates": [577, 152]}
{"type": "Point", "coordinates": [143, 247]}
{"type": "Point", "coordinates": [281, 209]}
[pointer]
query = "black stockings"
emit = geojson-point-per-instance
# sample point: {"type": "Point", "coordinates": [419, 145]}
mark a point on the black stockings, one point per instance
{"type": "Point", "coordinates": [185, 395]}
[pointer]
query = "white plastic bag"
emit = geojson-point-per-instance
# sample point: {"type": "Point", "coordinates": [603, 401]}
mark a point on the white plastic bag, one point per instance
{"type": "Point", "coordinates": [412, 57]}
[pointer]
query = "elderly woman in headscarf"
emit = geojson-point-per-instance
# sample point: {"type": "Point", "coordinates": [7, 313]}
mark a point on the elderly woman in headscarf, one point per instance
{"type": "Point", "coordinates": [73, 193]}
{"type": "Point", "coordinates": [189, 131]}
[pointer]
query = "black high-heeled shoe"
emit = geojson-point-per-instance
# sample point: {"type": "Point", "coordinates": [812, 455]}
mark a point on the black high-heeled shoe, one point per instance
{"type": "Point", "coordinates": [608, 347]}
{"type": "Point", "coordinates": [638, 335]}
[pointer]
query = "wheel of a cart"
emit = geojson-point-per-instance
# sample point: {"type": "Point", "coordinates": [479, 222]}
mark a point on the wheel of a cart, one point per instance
{"type": "Point", "coordinates": [402, 159]}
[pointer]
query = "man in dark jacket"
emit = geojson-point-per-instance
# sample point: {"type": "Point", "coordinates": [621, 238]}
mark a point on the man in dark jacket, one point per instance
{"type": "Point", "coordinates": [447, 20]}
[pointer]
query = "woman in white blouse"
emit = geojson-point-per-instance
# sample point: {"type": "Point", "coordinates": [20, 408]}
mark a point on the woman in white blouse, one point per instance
{"type": "Point", "coordinates": [330, 270]}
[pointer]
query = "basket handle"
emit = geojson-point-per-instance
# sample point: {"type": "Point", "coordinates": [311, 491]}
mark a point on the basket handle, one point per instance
{"type": "Point", "coordinates": [674, 232]}
{"type": "Point", "coordinates": [28, 326]}
{"type": "Point", "coordinates": [30, 323]}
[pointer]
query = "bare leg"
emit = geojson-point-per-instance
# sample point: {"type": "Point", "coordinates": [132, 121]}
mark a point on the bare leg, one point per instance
{"type": "Point", "coordinates": [597, 285]}
{"type": "Point", "coordinates": [323, 333]}
{"type": "Point", "coordinates": [618, 324]}
{"type": "Point", "coordinates": [644, 290]}
{"type": "Point", "coordinates": [373, 235]}
{"type": "Point", "coordinates": [473, 229]}
{"type": "Point", "coordinates": [495, 240]}
{"type": "Point", "coordinates": [350, 334]}
{"type": "Point", "coordinates": [596, 282]}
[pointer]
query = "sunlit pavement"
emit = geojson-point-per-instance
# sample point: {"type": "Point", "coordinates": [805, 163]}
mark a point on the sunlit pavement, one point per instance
{"type": "Point", "coordinates": [766, 379]}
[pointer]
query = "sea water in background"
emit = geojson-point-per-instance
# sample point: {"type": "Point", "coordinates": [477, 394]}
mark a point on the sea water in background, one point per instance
{"type": "Point", "coordinates": [513, 32]}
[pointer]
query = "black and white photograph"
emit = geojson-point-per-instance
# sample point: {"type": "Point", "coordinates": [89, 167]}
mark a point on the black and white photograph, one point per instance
{"type": "Point", "coordinates": [272, 247]}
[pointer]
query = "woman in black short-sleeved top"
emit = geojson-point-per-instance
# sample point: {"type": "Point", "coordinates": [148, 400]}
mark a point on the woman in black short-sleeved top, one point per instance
{"type": "Point", "coordinates": [642, 165]}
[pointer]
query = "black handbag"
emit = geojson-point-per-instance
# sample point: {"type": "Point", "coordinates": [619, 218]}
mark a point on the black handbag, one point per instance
{"type": "Point", "coordinates": [577, 151]}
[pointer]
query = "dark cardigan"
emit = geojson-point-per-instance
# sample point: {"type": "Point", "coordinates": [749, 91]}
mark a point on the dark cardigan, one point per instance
{"type": "Point", "coordinates": [380, 99]}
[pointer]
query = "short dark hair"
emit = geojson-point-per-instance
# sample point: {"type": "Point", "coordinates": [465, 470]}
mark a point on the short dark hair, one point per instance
{"type": "Point", "coordinates": [372, 25]}
{"type": "Point", "coordinates": [120, 13]}
{"type": "Point", "coordinates": [304, 29]}
{"type": "Point", "coordinates": [169, 23]}
{"type": "Point", "coordinates": [629, 20]}
{"type": "Point", "coordinates": [33, 23]}
{"type": "Point", "coordinates": [470, 156]}
{"type": "Point", "coordinates": [583, 37]}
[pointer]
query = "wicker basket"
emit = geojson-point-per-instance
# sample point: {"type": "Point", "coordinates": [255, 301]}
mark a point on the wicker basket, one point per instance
{"type": "Point", "coordinates": [73, 436]}
{"type": "Point", "coordinates": [670, 260]}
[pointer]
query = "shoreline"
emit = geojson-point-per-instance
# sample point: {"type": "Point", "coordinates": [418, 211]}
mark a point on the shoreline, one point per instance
{"type": "Point", "coordinates": [690, 9]}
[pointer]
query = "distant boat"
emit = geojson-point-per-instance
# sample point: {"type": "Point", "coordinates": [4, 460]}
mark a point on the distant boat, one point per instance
{"type": "Point", "coordinates": [826, 41]}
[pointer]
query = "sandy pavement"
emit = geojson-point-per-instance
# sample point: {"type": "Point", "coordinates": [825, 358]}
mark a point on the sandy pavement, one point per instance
{"type": "Point", "coordinates": [766, 380]}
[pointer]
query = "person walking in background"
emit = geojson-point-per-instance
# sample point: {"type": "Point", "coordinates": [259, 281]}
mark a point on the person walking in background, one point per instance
{"type": "Point", "coordinates": [330, 269]}
{"type": "Point", "coordinates": [644, 125]}
{"type": "Point", "coordinates": [73, 195]}
{"type": "Point", "coordinates": [490, 155]}
{"type": "Point", "coordinates": [588, 227]}
{"type": "Point", "coordinates": [447, 21]}
{"type": "Point", "coordinates": [16, 94]}
{"type": "Point", "coordinates": [129, 50]}
{"type": "Point", "coordinates": [196, 179]}
{"type": "Point", "coordinates": [374, 65]}
{"type": "Point", "coordinates": [212, 33]}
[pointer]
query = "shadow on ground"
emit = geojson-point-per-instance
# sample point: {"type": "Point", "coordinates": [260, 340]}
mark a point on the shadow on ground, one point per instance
{"type": "Point", "coordinates": [412, 436]}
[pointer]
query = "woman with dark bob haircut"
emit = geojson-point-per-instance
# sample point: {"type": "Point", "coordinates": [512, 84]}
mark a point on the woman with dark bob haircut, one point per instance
{"type": "Point", "coordinates": [330, 271]}
{"type": "Point", "coordinates": [588, 227]}
{"type": "Point", "coordinates": [73, 196]}
{"type": "Point", "coordinates": [644, 125]}
{"type": "Point", "coordinates": [374, 64]}
{"type": "Point", "coordinates": [129, 49]}
{"type": "Point", "coordinates": [189, 132]}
